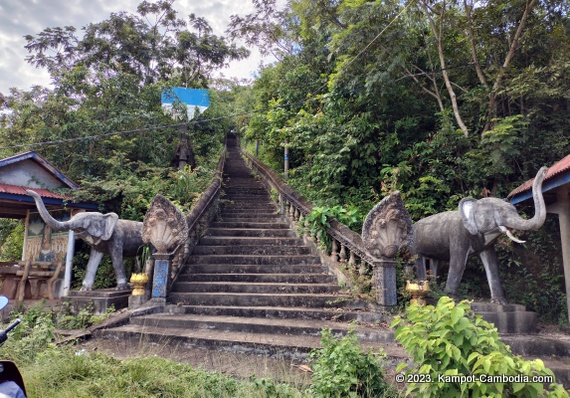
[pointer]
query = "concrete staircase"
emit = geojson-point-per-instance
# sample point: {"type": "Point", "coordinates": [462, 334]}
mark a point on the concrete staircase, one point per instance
{"type": "Point", "coordinates": [251, 285]}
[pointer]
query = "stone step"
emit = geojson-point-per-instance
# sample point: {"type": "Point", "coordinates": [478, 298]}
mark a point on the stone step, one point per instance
{"type": "Point", "coordinates": [259, 250]}
{"type": "Point", "coordinates": [262, 206]}
{"type": "Point", "coordinates": [297, 327]}
{"type": "Point", "coordinates": [238, 211]}
{"type": "Point", "coordinates": [257, 219]}
{"type": "Point", "coordinates": [256, 288]}
{"type": "Point", "coordinates": [244, 216]}
{"type": "Point", "coordinates": [253, 259]}
{"type": "Point", "coordinates": [553, 350]}
{"type": "Point", "coordinates": [283, 346]}
{"type": "Point", "coordinates": [250, 224]}
{"type": "Point", "coordinates": [508, 318]}
{"type": "Point", "coordinates": [238, 207]}
{"type": "Point", "coordinates": [254, 190]}
{"type": "Point", "coordinates": [323, 314]}
{"type": "Point", "coordinates": [259, 299]}
{"type": "Point", "coordinates": [539, 345]}
{"type": "Point", "coordinates": [258, 278]}
{"type": "Point", "coordinates": [251, 232]}
{"type": "Point", "coordinates": [243, 183]}
{"type": "Point", "coordinates": [247, 196]}
{"type": "Point", "coordinates": [254, 269]}
{"type": "Point", "coordinates": [249, 241]}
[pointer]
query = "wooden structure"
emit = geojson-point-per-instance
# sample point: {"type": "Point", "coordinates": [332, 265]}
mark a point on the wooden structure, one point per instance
{"type": "Point", "coordinates": [556, 192]}
{"type": "Point", "coordinates": [45, 251]}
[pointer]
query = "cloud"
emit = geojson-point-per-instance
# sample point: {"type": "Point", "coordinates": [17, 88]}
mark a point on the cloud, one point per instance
{"type": "Point", "coordinates": [23, 17]}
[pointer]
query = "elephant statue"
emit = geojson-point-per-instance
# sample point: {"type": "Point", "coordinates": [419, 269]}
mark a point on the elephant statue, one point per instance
{"type": "Point", "coordinates": [105, 233]}
{"type": "Point", "coordinates": [454, 235]}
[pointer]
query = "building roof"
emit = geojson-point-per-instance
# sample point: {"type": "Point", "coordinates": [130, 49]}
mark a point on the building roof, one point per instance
{"type": "Point", "coordinates": [29, 170]}
{"type": "Point", "coordinates": [42, 162]}
{"type": "Point", "coordinates": [557, 176]}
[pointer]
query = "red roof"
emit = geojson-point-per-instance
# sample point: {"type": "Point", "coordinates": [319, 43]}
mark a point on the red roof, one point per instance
{"type": "Point", "coordinates": [17, 190]}
{"type": "Point", "coordinates": [554, 170]}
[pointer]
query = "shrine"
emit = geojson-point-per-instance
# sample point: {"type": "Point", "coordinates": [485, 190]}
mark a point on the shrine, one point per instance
{"type": "Point", "coordinates": [45, 253]}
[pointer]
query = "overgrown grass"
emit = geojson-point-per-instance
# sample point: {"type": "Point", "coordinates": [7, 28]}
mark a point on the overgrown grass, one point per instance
{"type": "Point", "coordinates": [70, 371]}
{"type": "Point", "coordinates": [66, 372]}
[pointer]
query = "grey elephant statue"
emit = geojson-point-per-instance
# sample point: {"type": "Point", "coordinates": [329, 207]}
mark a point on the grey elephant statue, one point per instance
{"type": "Point", "coordinates": [105, 233]}
{"type": "Point", "coordinates": [454, 235]}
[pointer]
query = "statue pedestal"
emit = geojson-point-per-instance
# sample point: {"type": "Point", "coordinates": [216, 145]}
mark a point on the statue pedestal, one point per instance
{"type": "Point", "coordinates": [138, 301]}
{"type": "Point", "coordinates": [508, 318]}
{"type": "Point", "coordinates": [101, 299]}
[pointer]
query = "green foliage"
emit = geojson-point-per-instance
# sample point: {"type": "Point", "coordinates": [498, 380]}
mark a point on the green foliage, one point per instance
{"type": "Point", "coordinates": [365, 108]}
{"type": "Point", "coordinates": [35, 333]}
{"type": "Point", "coordinates": [319, 221]}
{"type": "Point", "coordinates": [343, 369]}
{"type": "Point", "coordinates": [85, 317]}
{"type": "Point", "coordinates": [533, 274]}
{"type": "Point", "coordinates": [269, 388]}
{"type": "Point", "coordinates": [11, 240]}
{"type": "Point", "coordinates": [449, 341]}
{"type": "Point", "coordinates": [105, 277]}
{"type": "Point", "coordinates": [70, 372]}
{"type": "Point", "coordinates": [32, 336]}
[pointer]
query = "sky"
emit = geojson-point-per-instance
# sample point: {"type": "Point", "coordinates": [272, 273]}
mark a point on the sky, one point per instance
{"type": "Point", "coordinates": [29, 17]}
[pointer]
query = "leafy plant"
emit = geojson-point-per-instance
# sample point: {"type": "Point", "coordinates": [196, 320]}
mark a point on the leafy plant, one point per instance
{"type": "Point", "coordinates": [343, 369]}
{"type": "Point", "coordinates": [32, 336]}
{"type": "Point", "coordinates": [11, 239]}
{"type": "Point", "coordinates": [455, 349]}
{"type": "Point", "coordinates": [85, 317]}
{"type": "Point", "coordinates": [319, 220]}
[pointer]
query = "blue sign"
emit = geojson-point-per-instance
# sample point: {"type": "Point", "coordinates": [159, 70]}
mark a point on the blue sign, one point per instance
{"type": "Point", "coordinates": [193, 98]}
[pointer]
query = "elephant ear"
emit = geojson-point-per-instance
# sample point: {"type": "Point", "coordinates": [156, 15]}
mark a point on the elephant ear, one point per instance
{"type": "Point", "coordinates": [467, 211]}
{"type": "Point", "coordinates": [110, 222]}
{"type": "Point", "coordinates": [104, 228]}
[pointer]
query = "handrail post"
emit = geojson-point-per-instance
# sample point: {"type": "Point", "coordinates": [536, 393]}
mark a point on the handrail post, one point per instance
{"type": "Point", "coordinates": [286, 161]}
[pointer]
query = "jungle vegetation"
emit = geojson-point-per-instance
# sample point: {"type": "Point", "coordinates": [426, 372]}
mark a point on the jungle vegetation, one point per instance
{"type": "Point", "coordinates": [437, 99]}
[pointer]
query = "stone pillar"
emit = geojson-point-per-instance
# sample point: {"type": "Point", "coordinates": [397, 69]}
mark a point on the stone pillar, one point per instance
{"type": "Point", "coordinates": [386, 230]}
{"type": "Point", "coordinates": [385, 282]}
{"type": "Point", "coordinates": [165, 228]}
{"type": "Point", "coordinates": [161, 277]}
{"type": "Point", "coordinates": [286, 161]}
{"type": "Point", "coordinates": [562, 208]}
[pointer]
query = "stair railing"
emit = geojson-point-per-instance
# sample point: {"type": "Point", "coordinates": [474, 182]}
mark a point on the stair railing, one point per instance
{"type": "Point", "coordinates": [347, 247]}
{"type": "Point", "coordinates": [202, 214]}
{"type": "Point", "coordinates": [174, 235]}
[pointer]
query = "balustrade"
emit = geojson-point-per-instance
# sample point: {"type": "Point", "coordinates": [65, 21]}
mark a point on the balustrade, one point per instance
{"type": "Point", "coordinates": [353, 253]}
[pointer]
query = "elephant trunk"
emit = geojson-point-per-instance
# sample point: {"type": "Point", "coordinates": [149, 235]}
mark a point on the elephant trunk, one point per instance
{"type": "Point", "coordinates": [535, 222]}
{"type": "Point", "coordinates": [48, 219]}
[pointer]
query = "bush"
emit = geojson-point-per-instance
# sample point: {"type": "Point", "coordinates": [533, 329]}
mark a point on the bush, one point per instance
{"type": "Point", "coordinates": [342, 369]}
{"type": "Point", "coordinates": [65, 318]}
{"type": "Point", "coordinates": [451, 341]}
{"type": "Point", "coordinates": [32, 336]}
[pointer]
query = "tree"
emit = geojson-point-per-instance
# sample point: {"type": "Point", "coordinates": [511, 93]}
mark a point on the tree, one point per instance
{"type": "Point", "coordinates": [153, 44]}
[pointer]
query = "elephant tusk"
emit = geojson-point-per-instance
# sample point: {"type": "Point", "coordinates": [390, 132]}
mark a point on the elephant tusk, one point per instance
{"type": "Point", "coordinates": [510, 235]}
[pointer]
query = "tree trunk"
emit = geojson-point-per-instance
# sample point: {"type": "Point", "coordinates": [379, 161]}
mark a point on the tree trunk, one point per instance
{"type": "Point", "coordinates": [493, 104]}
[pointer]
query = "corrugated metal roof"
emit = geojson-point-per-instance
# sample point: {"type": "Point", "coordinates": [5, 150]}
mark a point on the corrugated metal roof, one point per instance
{"type": "Point", "coordinates": [17, 190]}
{"type": "Point", "coordinates": [557, 169]}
